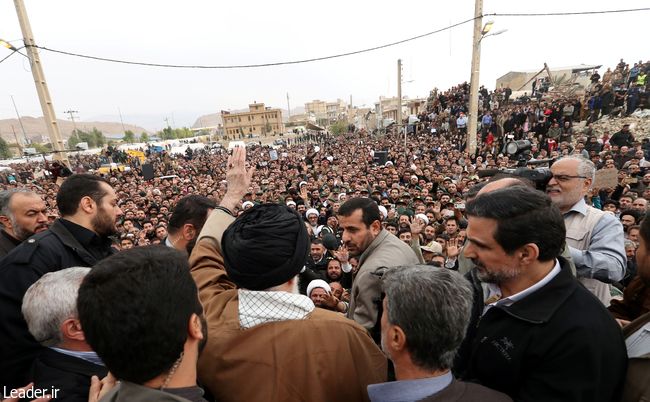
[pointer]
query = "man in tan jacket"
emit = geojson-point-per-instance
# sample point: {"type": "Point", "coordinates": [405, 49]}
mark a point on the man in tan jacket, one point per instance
{"type": "Point", "coordinates": [266, 342]}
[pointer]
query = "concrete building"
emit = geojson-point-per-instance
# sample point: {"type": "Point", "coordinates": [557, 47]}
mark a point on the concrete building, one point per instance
{"type": "Point", "coordinates": [259, 120]}
{"type": "Point", "coordinates": [335, 110]}
{"type": "Point", "coordinates": [516, 79]}
{"type": "Point", "coordinates": [318, 108]}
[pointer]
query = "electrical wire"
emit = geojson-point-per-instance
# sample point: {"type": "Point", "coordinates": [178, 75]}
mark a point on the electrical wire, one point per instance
{"type": "Point", "coordinates": [261, 64]}
{"type": "Point", "coordinates": [282, 63]}
{"type": "Point", "coordinates": [13, 52]}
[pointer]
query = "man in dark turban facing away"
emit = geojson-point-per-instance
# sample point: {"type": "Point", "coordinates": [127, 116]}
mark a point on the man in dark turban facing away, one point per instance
{"type": "Point", "coordinates": [266, 341]}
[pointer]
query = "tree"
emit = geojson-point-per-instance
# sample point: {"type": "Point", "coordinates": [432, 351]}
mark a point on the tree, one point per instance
{"type": "Point", "coordinates": [167, 133]}
{"type": "Point", "coordinates": [100, 140]}
{"type": "Point", "coordinates": [73, 140]}
{"type": "Point", "coordinates": [144, 137]}
{"type": "Point", "coordinates": [129, 137]}
{"type": "Point", "coordinates": [43, 148]}
{"type": "Point", "coordinates": [339, 127]}
{"type": "Point", "coordinates": [5, 152]}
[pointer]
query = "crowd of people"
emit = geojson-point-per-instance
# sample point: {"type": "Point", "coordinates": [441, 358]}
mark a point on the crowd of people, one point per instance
{"type": "Point", "coordinates": [479, 275]}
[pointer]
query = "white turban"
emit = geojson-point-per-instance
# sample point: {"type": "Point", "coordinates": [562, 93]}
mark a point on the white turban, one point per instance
{"type": "Point", "coordinates": [318, 283]}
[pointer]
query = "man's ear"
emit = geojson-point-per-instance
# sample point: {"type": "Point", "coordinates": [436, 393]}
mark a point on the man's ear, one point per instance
{"type": "Point", "coordinates": [71, 329]}
{"type": "Point", "coordinates": [87, 205]}
{"type": "Point", "coordinates": [375, 227]}
{"type": "Point", "coordinates": [189, 232]}
{"type": "Point", "coordinates": [528, 253]}
{"type": "Point", "coordinates": [194, 329]}
{"type": "Point", "coordinates": [396, 338]}
{"type": "Point", "coordinates": [6, 222]}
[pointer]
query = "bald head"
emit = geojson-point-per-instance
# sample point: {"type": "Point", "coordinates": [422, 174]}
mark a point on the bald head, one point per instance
{"type": "Point", "coordinates": [501, 183]}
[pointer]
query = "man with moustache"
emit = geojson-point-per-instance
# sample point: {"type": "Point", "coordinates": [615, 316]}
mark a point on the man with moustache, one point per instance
{"type": "Point", "coordinates": [22, 213]}
{"type": "Point", "coordinates": [535, 333]}
{"type": "Point", "coordinates": [89, 212]}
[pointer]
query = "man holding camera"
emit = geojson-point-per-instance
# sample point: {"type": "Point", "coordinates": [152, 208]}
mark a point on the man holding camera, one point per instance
{"type": "Point", "coordinates": [595, 238]}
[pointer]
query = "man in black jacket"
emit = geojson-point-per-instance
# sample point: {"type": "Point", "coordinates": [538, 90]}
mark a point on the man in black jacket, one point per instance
{"type": "Point", "coordinates": [22, 213]}
{"type": "Point", "coordinates": [536, 334]}
{"type": "Point", "coordinates": [88, 208]}
{"type": "Point", "coordinates": [67, 362]}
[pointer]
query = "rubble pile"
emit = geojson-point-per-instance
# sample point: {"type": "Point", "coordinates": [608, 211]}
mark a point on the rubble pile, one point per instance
{"type": "Point", "coordinates": [639, 122]}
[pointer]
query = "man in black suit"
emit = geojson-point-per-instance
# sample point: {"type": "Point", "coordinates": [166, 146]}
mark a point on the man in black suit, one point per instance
{"type": "Point", "coordinates": [67, 362]}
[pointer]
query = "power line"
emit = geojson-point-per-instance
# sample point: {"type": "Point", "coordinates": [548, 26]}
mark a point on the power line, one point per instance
{"type": "Point", "coordinates": [261, 64]}
{"type": "Point", "coordinates": [242, 66]}
{"type": "Point", "coordinates": [13, 52]}
{"type": "Point", "coordinates": [628, 10]}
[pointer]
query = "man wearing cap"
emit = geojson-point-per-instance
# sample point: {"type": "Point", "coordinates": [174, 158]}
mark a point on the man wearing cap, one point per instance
{"type": "Point", "coordinates": [320, 292]}
{"type": "Point", "coordinates": [266, 342]}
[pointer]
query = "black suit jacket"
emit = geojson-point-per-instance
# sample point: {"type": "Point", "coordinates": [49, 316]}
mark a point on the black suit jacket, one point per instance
{"type": "Point", "coordinates": [48, 251]}
{"type": "Point", "coordinates": [69, 374]}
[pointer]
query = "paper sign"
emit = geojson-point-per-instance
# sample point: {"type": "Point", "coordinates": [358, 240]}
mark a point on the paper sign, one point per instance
{"type": "Point", "coordinates": [606, 178]}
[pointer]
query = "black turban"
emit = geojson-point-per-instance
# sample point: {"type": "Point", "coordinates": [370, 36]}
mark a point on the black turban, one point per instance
{"type": "Point", "coordinates": [264, 247]}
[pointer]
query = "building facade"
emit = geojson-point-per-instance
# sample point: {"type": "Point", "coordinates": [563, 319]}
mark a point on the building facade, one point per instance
{"type": "Point", "coordinates": [258, 121]}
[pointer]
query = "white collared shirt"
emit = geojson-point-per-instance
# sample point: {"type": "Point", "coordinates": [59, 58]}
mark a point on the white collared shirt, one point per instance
{"type": "Point", "coordinates": [494, 292]}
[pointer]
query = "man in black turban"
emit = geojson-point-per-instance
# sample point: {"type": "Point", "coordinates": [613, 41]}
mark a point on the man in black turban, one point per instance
{"type": "Point", "coordinates": [266, 341]}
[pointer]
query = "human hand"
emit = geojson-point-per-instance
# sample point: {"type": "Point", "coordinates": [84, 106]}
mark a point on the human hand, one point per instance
{"type": "Point", "coordinates": [330, 301]}
{"type": "Point", "coordinates": [622, 322]}
{"type": "Point", "coordinates": [238, 178]}
{"type": "Point", "coordinates": [417, 226]}
{"type": "Point", "coordinates": [342, 254]}
{"type": "Point", "coordinates": [99, 388]}
{"type": "Point", "coordinates": [345, 296]}
{"type": "Point", "coordinates": [452, 248]}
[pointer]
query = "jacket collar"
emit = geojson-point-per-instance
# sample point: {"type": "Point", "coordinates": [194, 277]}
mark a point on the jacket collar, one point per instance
{"type": "Point", "coordinates": [375, 243]}
{"type": "Point", "coordinates": [539, 306]}
{"type": "Point", "coordinates": [68, 240]}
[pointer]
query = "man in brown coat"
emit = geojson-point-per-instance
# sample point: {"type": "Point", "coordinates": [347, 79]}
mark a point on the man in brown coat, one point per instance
{"type": "Point", "coordinates": [425, 316]}
{"type": "Point", "coordinates": [266, 342]}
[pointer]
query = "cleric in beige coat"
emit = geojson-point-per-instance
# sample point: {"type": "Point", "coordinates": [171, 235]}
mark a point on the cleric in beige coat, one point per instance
{"type": "Point", "coordinates": [265, 341]}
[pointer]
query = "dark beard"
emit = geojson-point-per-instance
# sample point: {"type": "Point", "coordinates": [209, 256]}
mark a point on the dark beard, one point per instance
{"type": "Point", "coordinates": [102, 224]}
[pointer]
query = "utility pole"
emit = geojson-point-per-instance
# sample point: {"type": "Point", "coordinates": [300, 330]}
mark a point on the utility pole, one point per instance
{"type": "Point", "coordinates": [399, 102]}
{"type": "Point", "coordinates": [41, 85]}
{"type": "Point", "coordinates": [288, 106]}
{"type": "Point", "coordinates": [20, 149]}
{"type": "Point", "coordinates": [71, 113]}
{"type": "Point", "coordinates": [121, 120]}
{"type": "Point", "coordinates": [472, 123]}
{"type": "Point", "coordinates": [20, 120]}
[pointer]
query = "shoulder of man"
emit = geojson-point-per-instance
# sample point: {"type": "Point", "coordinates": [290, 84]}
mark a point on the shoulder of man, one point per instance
{"type": "Point", "coordinates": [25, 252]}
{"type": "Point", "coordinates": [466, 391]}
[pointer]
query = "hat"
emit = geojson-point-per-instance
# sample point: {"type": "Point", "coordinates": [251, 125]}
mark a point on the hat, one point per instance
{"type": "Point", "coordinates": [388, 163]}
{"type": "Point", "coordinates": [341, 196]}
{"type": "Point", "coordinates": [291, 203]}
{"type": "Point", "coordinates": [311, 211]}
{"type": "Point", "coordinates": [383, 211]}
{"type": "Point", "coordinates": [265, 247]}
{"type": "Point", "coordinates": [433, 247]}
{"type": "Point", "coordinates": [302, 183]}
{"type": "Point", "coordinates": [247, 204]}
{"type": "Point", "coordinates": [423, 217]}
{"type": "Point", "coordinates": [318, 283]}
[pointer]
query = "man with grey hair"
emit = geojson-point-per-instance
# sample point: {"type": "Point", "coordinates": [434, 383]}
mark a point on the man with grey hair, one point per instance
{"type": "Point", "coordinates": [425, 316]}
{"type": "Point", "coordinates": [595, 238]}
{"type": "Point", "coordinates": [22, 213]}
{"type": "Point", "coordinates": [67, 362]}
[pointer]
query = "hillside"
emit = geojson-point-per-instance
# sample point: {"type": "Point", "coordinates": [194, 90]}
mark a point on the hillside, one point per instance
{"type": "Point", "coordinates": [36, 130]}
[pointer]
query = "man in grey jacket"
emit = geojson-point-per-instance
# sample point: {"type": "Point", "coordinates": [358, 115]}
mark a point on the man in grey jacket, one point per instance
{"type": "Point", "coordinates": [365, 238]}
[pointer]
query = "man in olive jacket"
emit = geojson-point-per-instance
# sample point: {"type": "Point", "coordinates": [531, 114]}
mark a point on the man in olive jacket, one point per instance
{"type": "Point", "coordinates": [376, 248]}
{"type": "Point", "coordinates": [265, 340]}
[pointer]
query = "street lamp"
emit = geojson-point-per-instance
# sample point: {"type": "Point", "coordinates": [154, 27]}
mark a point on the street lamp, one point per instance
{"type": "Point", "coordinates": [472, 124]}
{"type": "Point", "coordinates": [8, 45]}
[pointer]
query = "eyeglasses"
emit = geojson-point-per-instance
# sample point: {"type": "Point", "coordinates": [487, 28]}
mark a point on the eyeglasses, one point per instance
{"type": "Point", "coordinates": [566, 177]}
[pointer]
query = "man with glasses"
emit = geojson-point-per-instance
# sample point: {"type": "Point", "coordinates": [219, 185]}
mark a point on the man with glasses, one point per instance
{"type": "Point", "coordinates": [595, 238]}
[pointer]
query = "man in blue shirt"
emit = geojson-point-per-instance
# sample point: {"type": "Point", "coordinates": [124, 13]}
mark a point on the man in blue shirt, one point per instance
{"type": "Point", "coordinates": [425, 315]}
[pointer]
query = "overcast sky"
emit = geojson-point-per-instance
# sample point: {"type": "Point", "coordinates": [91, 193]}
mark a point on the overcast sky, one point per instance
{"type": "Point", "coordinates": [225, 33]}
